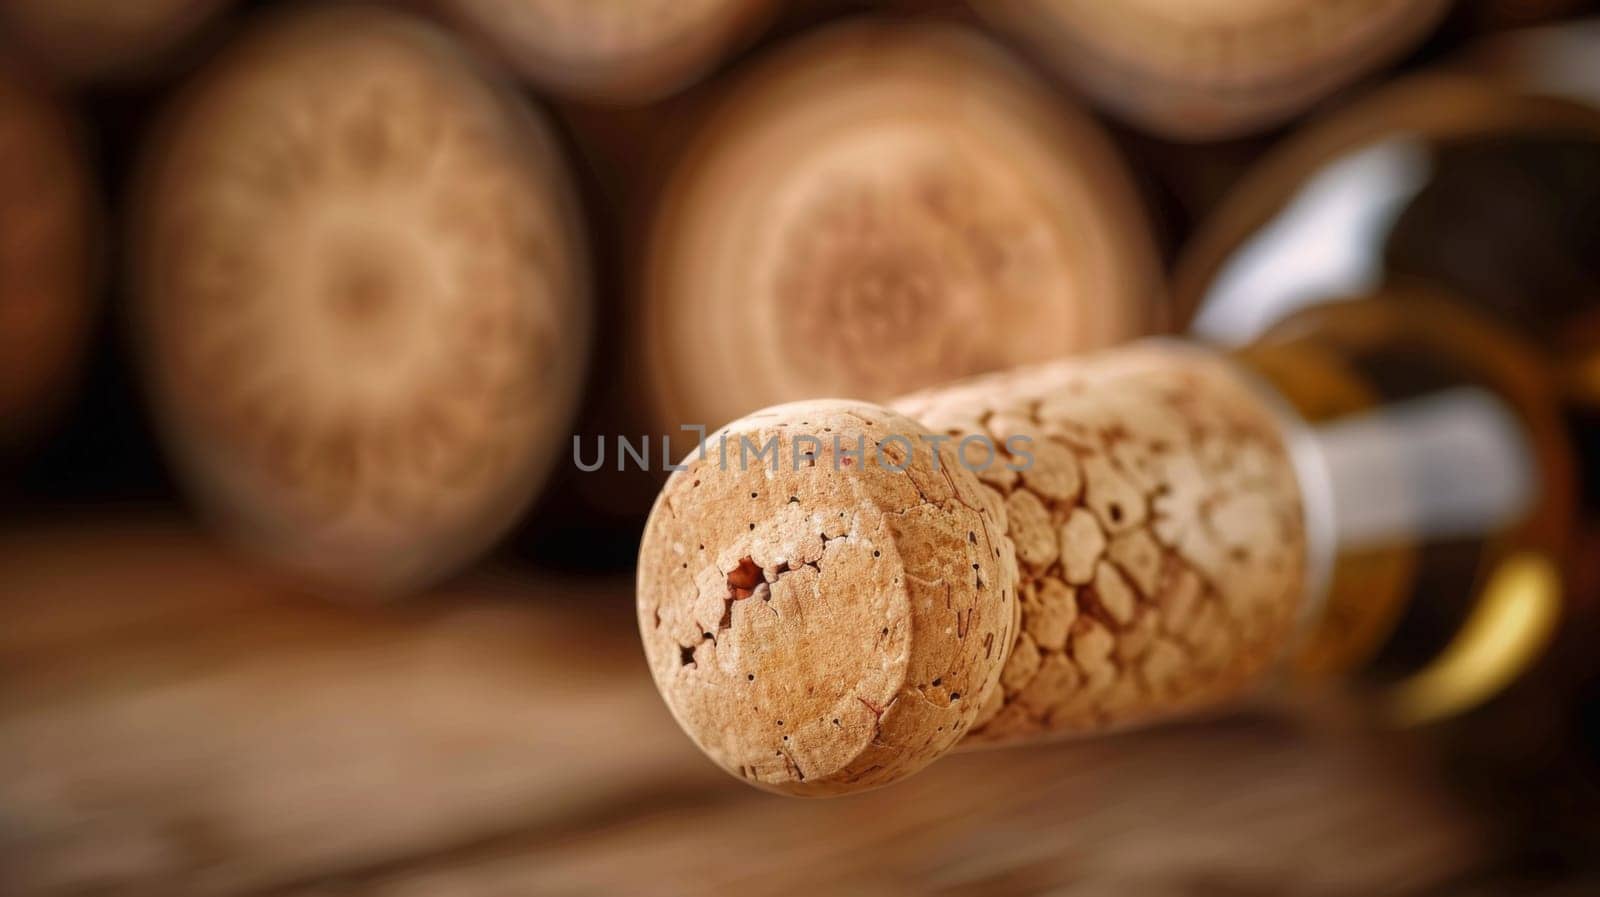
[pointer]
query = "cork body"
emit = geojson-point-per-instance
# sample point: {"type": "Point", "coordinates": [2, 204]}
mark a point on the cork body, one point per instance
{"type": "Point", "coordinates": [1108, 541]}
{"type": "Point", "coordinates": [1158, 532]}
{"type": "Point", "coordinates": [362, 298]}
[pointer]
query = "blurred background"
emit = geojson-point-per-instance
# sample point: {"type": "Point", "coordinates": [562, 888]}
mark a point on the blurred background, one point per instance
{"type": "Point", "coordinates": [218, 678]}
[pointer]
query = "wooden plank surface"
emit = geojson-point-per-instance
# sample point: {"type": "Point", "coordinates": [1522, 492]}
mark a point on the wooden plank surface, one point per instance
{"type": "Point", "coordinates": [174, 723]}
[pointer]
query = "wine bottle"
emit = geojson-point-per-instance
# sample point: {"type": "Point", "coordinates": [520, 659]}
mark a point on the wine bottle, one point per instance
{"type": "Point", "coordinates": [1375, 484]}
{"type": "Point", "coordinates": [1479, 187]}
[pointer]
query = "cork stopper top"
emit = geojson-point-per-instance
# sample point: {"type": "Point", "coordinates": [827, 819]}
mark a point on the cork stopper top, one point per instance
{"type": "Point", "coordinates": [361, 297]}
{"type": "Point", "coordinates": [831, 616]}
{"type": "Point", "coordinates": [880, 208]}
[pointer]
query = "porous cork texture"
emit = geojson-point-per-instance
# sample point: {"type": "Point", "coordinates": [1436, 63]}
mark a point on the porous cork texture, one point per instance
{"type": "Point", "coordinates": [619, 50]}
{"type": "Point", "coordinates": [1212, 69]}
{"type": "Point", "coordinates": [1150, 562]}
{"type": "Point", "coordinates": [46, 251]}
{"type": "Point", "coordinates": [362, 298]}
{"type": "Point", "coordinates": [1159, 535]}
{"type": "Point", "coordinates": [880, 208]}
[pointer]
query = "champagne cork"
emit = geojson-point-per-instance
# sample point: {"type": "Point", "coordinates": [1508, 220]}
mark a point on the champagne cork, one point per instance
{"type": "Point", "coordinates": [881, 208]}
{"type": "Point", "coordinates": [88, 39]}
{"type": "Point", "coordinates": [1219, 68]}
{"type": "Point", "coordinates": [362, 299]}
{"type": "Point", "coordinates": [1134, 549]}
{"type": "Point", "coordinates": [46, 249]}
{"type": "Point", "coordinates": [628, 51]}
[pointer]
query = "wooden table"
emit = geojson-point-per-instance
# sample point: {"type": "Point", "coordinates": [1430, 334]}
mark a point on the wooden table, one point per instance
{"type": "Point", "coordinates": [174, 723]}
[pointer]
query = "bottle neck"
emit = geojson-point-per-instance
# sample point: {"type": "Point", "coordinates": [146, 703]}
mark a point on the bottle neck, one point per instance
{"type": "Point", "coordinates": [1438, 489]}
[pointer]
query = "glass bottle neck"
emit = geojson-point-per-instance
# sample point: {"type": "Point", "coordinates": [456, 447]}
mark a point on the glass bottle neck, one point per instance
{"type": "Point", "coordinates": [1438, 490]}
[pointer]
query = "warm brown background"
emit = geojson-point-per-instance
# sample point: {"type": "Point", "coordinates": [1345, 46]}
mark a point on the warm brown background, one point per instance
{"type": "Point", "coordinates": [173, 721]}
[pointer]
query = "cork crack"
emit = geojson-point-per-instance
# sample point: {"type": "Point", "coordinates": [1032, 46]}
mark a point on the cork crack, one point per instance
{"type": "Point", "coordinates": [793, 765]}
{"type": "Point", "coordinates": [743, 579]}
